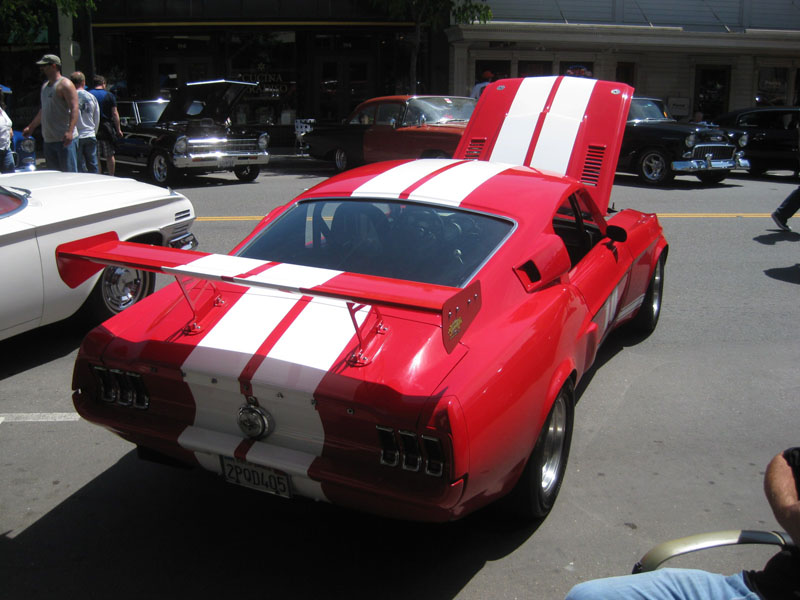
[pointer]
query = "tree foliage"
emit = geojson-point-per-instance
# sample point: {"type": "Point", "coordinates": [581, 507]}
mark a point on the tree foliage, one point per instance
{"type": "Point", "coordinates": [23, 20]}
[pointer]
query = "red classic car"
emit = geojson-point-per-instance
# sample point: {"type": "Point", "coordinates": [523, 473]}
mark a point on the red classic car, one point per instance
{"type": "Point", "coordinates": [404, 338]}
{"type": "Point", "coordinates": [393, 127]}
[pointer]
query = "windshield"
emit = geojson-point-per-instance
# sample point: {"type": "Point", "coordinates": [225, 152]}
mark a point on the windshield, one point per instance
{"type": "Point", "coordinates": [149, 112]}
{"type": "Point", "coordinates": [438, 110]}
{"type": "Point", "coordinates": [643, 109]}
{"type": "Point", "coordinates": [394, 239]}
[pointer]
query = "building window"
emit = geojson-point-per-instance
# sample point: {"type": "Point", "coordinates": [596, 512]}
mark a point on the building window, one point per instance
{"type": "Point", "coordinates": [711, 91]}
{"type": "Point", "coordinates": [772, 86]}
{"type": "Point", "coordinates": [626, 73]}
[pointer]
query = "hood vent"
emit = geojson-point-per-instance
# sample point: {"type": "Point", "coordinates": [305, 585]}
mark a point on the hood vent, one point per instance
{"type": "Point", "coordinates": [475, 148]}
{"type": "Point", "coordinates": [593, 165]}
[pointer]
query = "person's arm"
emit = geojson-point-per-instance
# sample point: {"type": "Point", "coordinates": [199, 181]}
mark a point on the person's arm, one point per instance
{"type": "Point", "coordinates": [70, 95]}
{"type": "Point", "coordinates": [95, 113]}
{"type": "Point", "coordinates": [115, 118]}
{"type": "Point", "coordinates": [28, 131]}
{"type": "Point", "coordinates": [781, 489]}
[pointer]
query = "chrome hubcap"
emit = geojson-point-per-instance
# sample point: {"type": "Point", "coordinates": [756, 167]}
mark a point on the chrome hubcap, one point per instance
{"type": "Point", "coordinates": [554, 436]}
{"type": "Point", "coordinates": [121, 287]}
{"type": "Point", "coordinates": [654, 166]}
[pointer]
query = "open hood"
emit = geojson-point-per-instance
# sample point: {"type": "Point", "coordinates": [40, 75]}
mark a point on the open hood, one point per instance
{"type": "Point", "coordinates": [565, 126]}
{"type": "Point", "coordinates": [204, 100]}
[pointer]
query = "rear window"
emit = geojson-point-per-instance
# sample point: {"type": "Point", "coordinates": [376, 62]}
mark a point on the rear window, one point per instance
{"type": "Point", "coordinates": [10, 202]}
{"type": "Point", "coordinates": [394, 239]}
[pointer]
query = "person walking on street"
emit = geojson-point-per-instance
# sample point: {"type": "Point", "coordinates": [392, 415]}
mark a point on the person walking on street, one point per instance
{"type": "Point", "coordinates": [785, 211]}
{"type": "Point", "coordinates": [109, 121]}
{"type": "Point", "coordinates": [6, 140]}
{"type": "Point", "coordinates": [88, 124]}
{"type": "Point", "coordinates": [58, 117]}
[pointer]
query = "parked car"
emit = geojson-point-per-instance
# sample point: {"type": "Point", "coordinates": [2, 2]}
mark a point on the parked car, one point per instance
{"type": "Point", "coordinates": [656, 147]}
{"type": "Point", "coordinates": [24, 152]}
{"type": "Point", "coordinates": [774, 134]}
{"type": "Point", "coordinates": [404, 338]}
{"type": "Point", "coordinates": [40, 210]}
{"type": "Point", "coordinates": [393, 127]}
{"type": "Point", "coordinates": [191, 133]}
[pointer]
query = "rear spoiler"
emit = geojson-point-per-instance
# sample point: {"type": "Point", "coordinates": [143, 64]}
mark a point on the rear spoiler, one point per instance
{"type": "Point", "coordinates": [79, 260]}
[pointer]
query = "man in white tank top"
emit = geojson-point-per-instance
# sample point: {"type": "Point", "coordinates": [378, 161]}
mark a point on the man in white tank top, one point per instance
{"type": "Point", "coordinates": [58, 117]}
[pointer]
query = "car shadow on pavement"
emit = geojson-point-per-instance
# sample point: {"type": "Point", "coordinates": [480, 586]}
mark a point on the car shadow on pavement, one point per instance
{"type": "Point", "coordinates": [678, 184]}
{"type": "Point", "coordinates": [141, 530]}
{"type": "Point", "coordinates": [40, 346]}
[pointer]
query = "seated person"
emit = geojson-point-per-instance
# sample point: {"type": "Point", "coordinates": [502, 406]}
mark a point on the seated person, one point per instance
{"type": "Point", "coordinates": [780, 577]}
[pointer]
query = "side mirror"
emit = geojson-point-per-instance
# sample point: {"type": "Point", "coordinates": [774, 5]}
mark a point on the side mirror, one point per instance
{"type": "Point", "coordinates": [616, 233]}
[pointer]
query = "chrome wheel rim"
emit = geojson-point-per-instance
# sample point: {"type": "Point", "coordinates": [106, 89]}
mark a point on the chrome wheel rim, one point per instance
{"type": "Point", "coordinates": [553, 451]}
{"type": "Point", "coordinates": [160, 168]}
{"type": "Point", "coordinates": [341, 160]}
{"type": "Point", "coordinates": [122, 287]}
{"type": "Point", "coordinates": [658, 283]}
{"type": "Point", "coordinates": [654, 167]}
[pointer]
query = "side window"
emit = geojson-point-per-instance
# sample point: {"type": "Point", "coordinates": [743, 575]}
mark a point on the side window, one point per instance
{"type": "Point", "coordinates": [365, 116]}
{"type": "Point", "coordinates": [574, 224]}
{"type": "Point", "coordinates": [388, 114]}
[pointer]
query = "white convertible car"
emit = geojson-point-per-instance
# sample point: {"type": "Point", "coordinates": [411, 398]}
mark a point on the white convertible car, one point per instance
{"type": "Point", "coordinates": [40, 210]}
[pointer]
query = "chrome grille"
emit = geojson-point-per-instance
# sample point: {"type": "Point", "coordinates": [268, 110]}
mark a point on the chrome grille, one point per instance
{"type": "Point", "coordinates": [717, 151]}
{"type": "Point", "coordinates": [224, 146]}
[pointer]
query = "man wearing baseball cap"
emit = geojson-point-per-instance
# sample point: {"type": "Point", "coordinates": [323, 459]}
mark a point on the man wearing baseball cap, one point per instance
{"type": "Point", "coordinates": [58, 117]}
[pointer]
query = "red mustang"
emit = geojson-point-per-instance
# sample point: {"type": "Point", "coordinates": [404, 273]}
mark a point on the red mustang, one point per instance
{"type": "Point", "coordinates": [404, 338]}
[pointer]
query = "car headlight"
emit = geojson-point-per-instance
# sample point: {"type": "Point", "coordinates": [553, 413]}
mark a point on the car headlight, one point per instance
{"type": "Point", "coordinates": [690, 140]}
{"type": "Point", "coordinates": [743, 140]}
{"type": "Point", "coordinates": [28, 145]}
{"type": "Point", "coordinates": [263, 141]}
{"type": "Point", "coordinates": [180, 146]}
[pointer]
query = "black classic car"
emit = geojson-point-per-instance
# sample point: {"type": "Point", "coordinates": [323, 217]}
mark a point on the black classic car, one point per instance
{"type": "Point", "coordinates": [191, 133]}
{"type": "Point", "coordinates": [774, 136]}
{"type": "Point", "coordinates": [656, 147]}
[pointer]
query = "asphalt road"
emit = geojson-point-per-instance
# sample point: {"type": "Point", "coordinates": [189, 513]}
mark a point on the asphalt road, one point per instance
{"type": "Point", "coordinates": [671, 438]}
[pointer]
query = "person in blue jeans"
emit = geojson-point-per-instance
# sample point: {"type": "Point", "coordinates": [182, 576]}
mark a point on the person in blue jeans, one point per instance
{"type": "Point", "coordinates": [785, 211]}
{"type": "Point", "coordinates": [58, 117]}
{"type": "Point", "coordinates": [779, 579]}
{"type": "Point", "coordinates": [88, 124]}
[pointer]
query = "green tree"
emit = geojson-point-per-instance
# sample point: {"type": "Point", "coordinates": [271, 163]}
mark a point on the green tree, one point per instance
{"type": "Point", "coordinates": [23, 20]}
{"type": "Point", "coordinates": [434, 14]}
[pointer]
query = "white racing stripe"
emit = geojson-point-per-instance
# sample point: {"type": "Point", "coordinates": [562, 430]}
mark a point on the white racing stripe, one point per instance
{"type": "Point", "coordinates": [39, 417]}
{"type": "Point", "coordinates": [519, 125]}
{"type": "Point", "coordinates": [216, 265]}
{"type": "Point", "coordinates": [454, 185]}
{"type": "Point", "coordinates": [557, 138]}
{"type": "Point", "coordinates": [392, 183]}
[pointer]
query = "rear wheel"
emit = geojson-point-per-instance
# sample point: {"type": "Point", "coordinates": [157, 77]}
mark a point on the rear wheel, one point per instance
{"type": "Point", "coordinates": [646, 319]}
{"type": "Point", "coordinates": [540, 482]}
{"type": "Point", "coordinates": [247, 173]}
{"type": "Point", "coordinates": [117, 289]}
{"type": "Point", "coordinates": [341, 161]}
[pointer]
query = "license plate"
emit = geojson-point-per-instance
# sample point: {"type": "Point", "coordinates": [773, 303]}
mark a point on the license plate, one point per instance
{"type": "Point", "coordinates": [226, 163]}
{"type": "Point", "coordinates": [257, 477]}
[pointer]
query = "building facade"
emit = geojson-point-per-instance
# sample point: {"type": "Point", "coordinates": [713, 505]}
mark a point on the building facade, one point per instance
{"type": "Point", "coordinates": [706, 56]}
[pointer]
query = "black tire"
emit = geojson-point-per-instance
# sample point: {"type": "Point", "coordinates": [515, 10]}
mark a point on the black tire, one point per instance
{"type": "Point", "coordinates": [341, 160]}
{"type": "Point", "coordinates": [535, 493]}
{"type": "Point", "coordinates": [653, 167]}
{"type": "Point", "coordinates": [757, 169]}
{"type": "Point", "coordinates": [117, 289]}
{"type": "Point", "coordinates": [712, 177]}
{"type": "Point", "coordinates": [247, 173]}
{"type": "Point", "coordinates": [646, 319]}
{"type": "Point", "coordinates": [160, 168]}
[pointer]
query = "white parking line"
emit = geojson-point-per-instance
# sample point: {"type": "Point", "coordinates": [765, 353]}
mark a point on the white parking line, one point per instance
{"type": "Point", "coordinates": [38, 417]}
